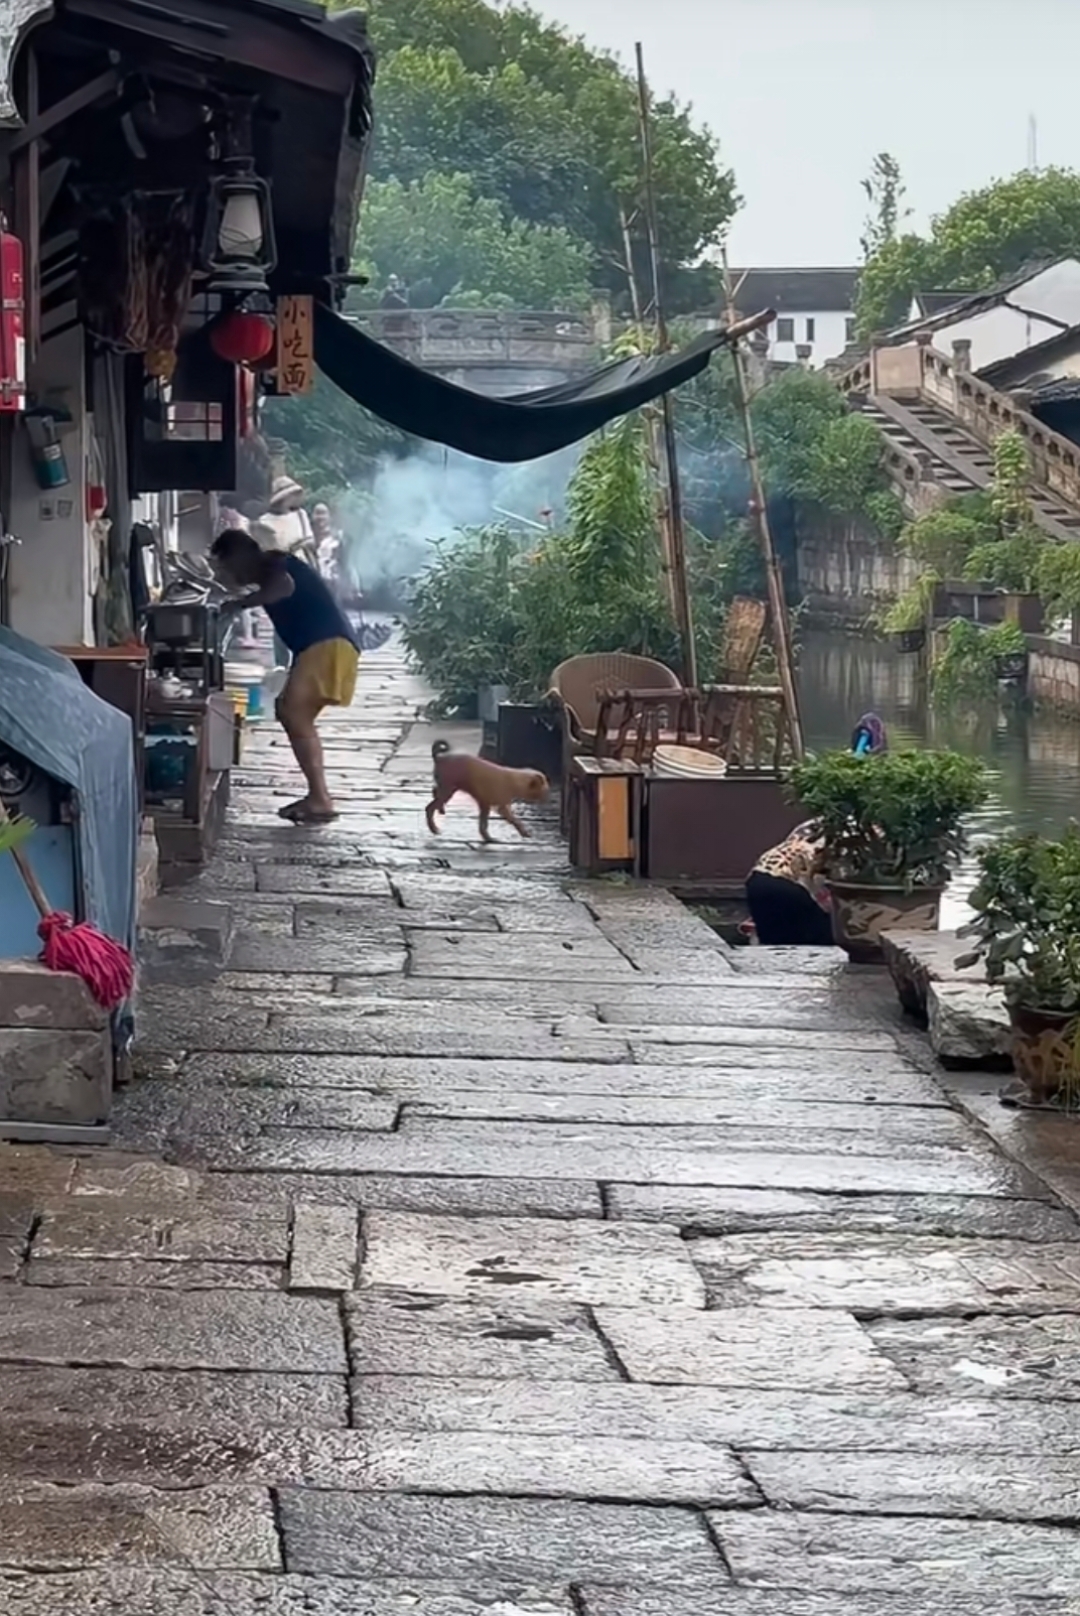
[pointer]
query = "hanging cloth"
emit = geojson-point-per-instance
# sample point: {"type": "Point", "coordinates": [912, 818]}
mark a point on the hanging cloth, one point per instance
{"type": "Point", "coordinates": [524, 426]}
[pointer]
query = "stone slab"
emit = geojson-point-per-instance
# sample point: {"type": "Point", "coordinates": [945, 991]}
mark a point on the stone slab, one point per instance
{"type": "Point", "coordinates": [808, 1350]}
{"type": "Point", "coordinates": [765, 1083]}
{"type": "Point", "coordinates": [843, 1554]}
{"type": "Point", "coordinates": [968, 1022]}
{"type": "Point", "coordinates": [167, 1593]}
{"type": "Point", "coordinates": [866, 1422]}
{"type": "Point", "coordinates": [745, 1005]}
{"type": "Point", "coordinates": [770, 1034]}
{"type": "Point", "coordinates": [588, 1262]}
{"type": "Point", "coordinates": [307, 954]}
{"type": "Point", "coordinates": [31, 996]}
{"type": "Point", "coordinates": [174, 922]}
{"type": "Point", "coordinates": [979, 1485]}
{"type": "Point", "coordinates": [795, 1602]}
{"type": "Point", "coordinates": [940, 1137]}
{"type": "Point", "coordinates": [881, 1274]}
{"type": "Point", "coordinates": [917, 958]}
{"type": "Point", "coordinates": [302, 878]}
{"type": "Point", "coordinates": [135, 1274]}
{"type": "Point", "coordinates": [263, 1331]}
{"type": "Point", "coordinates": [473, 956]}
{"type": "Point", "coordinates": [509, 1337]}
{"type": "Point", "coordinates": [738, 1113]}
{"type": "Point", "coordinates": [520, 1465]}
{"type": "Point", "coordinates": [237, 1401]}
{"type": "Point", "coordinates": [67, 1528]}
{"type": "Point", "coordinates": [762, 960]}
{"type": "Point", "coordinates": [495, 1197]}
{"type": "Point", "coordinates": [509, 1540]}
{"type": "Point", "coordinates": [178, 1235]}
{"type": "Point", "coordinates": [297, 1151]}
{"type": "Point", "coordinates": [707, 1211]}
{"type": "Point", "coordinates": [423, 1036]}
{"type": "Point", "coordinates": [323, 1256]}
{"type": "Point", "coordinates": [1028, 1358]}
{"type": "Point", "coordinates": [55, 1075]}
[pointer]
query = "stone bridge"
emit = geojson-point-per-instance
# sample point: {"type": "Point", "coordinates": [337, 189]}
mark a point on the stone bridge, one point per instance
{"type": "Point", "coordinates": [494, 351]}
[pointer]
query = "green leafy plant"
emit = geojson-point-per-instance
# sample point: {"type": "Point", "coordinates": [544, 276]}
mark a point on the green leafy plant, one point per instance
{"type": "Point", "coordinates": [492, 608]}
{"type": "Point", "coordinates": [1027, 925]}
{"type": "Point", "coordinates": [969, 666]}
{"type": "Point", "coordinates": [913, 608]}
{"type": "Point", "coordinates": [895, 819]}
{"type": "Point", "coordinates": [1029, 217]}
{"type": "Point", "coordinates": [14, 832]}
{"type": "Point", "coordinates": [1057, 579]}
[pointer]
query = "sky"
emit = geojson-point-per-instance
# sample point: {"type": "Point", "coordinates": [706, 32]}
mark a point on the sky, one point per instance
{"type": "Point", "coordinates": [803, 93]}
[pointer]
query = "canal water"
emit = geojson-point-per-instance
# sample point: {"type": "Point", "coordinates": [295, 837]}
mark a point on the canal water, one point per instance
{"type": "Point", "coordinates": [1033, 758]}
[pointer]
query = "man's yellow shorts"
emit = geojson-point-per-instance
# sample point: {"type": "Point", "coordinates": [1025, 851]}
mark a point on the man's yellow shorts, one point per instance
{"type": "Point", "coordinates": [323, 676]}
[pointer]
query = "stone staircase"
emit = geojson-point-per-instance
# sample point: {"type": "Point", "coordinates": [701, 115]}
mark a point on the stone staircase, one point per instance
{"type": "Point", "coordinates": [956, 460]}
{"type": "Point", "coordinates": [939, 422]}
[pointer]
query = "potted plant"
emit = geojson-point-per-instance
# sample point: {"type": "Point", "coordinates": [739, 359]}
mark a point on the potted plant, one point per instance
{"type": "Point", "coordinates": [1008, 647]}
{"type": "Point", "coordinates": [1027, 930]}
{"type": "Point", "coordinates": [905, 620]}
{"type": "Point", "coordinates": [892, 830]}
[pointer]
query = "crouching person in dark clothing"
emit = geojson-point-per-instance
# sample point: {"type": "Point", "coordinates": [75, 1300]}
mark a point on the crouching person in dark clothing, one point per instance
{"type": "Point", "coordinates": [786, 896]}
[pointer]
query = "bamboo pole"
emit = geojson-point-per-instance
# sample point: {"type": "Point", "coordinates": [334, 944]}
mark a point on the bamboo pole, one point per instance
{"type": "Point", "coordinates": [781, 623]}
{"type": "Point", "coordinates": [684, 619]}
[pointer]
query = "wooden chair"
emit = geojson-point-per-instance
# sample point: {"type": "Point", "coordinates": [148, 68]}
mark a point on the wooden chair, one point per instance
{"type": "Point", "coordinates": [581, 685]}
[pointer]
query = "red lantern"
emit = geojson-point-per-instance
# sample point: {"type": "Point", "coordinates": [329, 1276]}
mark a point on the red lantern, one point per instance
{"type": "Point", "coordinates": [12, 313]}
{"type": "Point", "coordinates": [242, 339]}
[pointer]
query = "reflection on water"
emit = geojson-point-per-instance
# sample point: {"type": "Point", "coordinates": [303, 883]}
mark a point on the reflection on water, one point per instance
{"type": "Point", "coordinates": [1033, 758]}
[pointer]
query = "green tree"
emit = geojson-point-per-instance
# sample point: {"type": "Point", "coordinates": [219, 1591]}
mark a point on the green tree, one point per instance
{"type": "Point", "coordinates": [884, 187]}
{"type": "Point", "coordinates": [545, 127]}
{"type": "Point", "coordinates": [436, 229]}
{"type": "Point", "coordinates": [334, 443]}
{"type": "Point", "coordinates": [986, 235]}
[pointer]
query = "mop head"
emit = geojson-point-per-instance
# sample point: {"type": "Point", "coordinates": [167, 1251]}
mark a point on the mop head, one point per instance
{"type": "Point", "coordinates": [105, 966]}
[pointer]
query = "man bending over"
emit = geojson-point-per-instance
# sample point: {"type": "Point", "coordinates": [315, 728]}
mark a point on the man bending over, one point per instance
{"type": "Point", "coordinates": [321, 640]}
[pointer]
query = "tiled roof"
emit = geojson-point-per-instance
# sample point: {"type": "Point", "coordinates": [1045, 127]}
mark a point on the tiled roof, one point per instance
{"type": "Point", "coordinates": [795, 291]}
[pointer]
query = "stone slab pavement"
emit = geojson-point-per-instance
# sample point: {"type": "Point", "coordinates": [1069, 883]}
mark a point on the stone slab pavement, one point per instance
{"type": "Point", "coordinates": [482, 1241]}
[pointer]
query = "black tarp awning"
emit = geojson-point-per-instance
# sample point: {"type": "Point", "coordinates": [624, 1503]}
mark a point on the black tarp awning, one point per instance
{"type": "Point", "coordinates": [522, 427]}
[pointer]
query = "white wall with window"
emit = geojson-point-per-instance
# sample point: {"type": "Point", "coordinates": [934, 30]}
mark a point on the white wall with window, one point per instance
{"type": "Point", "coordinates": [826, 332]}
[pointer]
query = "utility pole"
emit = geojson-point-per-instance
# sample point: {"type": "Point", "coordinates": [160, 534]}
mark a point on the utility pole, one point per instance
{"type": "Point", "coordinates": [680, 586]}
{"type": "Point", "coordinates": [781, 623]}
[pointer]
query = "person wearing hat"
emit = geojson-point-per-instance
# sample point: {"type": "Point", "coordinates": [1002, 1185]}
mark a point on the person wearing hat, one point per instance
{"type": "Point", "coordinates": [287, 521]}
{"type": "Point", "coordinates": [320, 639]}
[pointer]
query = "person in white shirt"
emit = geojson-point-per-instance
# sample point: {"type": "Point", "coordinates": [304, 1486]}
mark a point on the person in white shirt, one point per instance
{"type": "Point", "coordinates": [288, 521]}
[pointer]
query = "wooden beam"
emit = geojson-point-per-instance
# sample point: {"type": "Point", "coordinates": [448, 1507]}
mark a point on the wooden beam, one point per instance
{"type": "Point", "coordinates": [95, 90]}
{"type": "Point", "coordinates": [207, 30]}
{"type": "Point", "coordinates": [25, 170]}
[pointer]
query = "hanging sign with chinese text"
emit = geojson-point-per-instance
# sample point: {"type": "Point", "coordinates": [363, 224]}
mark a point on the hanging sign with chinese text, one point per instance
{"type": "Point", "coordinates": [295, 346]}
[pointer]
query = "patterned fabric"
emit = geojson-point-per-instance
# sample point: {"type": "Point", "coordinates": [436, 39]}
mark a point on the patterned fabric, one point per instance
{"type": "Point", "coordinates": [796, 858]}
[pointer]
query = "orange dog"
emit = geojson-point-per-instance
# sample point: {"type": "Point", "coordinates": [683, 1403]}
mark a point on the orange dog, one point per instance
{"type": "Point", "coordinates": [491, 787]}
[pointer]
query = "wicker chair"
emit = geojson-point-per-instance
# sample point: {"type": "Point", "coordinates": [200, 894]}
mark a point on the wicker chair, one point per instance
{"type": "Point", "coordinates": [579, 687]}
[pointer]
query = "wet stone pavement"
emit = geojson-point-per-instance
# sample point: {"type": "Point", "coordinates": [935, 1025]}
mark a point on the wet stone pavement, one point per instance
{"type": "Point", "coordinates": [484, 1242]}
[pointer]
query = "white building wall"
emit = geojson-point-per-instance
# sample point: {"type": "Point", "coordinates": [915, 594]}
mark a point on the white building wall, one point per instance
{"type": "Point", "coordinates": [830, 328]}
{"type": "Point", "coordinates": [52, 571]}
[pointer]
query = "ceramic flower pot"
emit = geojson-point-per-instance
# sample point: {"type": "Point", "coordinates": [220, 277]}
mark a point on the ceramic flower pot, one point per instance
{"type": "Point", "coordinates": [1046, 1052]}
{"type": "Point", "coordinates": [861, 913]}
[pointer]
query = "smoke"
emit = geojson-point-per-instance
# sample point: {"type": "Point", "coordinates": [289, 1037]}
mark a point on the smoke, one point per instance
{"type": "Point", "coordinates": [390, 525]}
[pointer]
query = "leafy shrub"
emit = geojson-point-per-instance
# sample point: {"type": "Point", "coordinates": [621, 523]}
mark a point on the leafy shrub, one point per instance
{"type": "Point", "coordinates": [1027, 925]}
{"type": "Point", "coordinates": [894, 819]}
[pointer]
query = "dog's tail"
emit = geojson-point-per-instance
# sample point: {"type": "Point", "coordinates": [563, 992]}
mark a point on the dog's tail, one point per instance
{"type": "Point", "coordinates": [440, 748]}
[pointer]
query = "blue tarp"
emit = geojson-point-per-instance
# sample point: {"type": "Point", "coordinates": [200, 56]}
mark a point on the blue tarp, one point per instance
{"type": "Point", "coordinates": [49, 716]}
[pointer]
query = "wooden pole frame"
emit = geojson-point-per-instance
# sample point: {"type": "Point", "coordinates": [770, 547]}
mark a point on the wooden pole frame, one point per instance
{"type": "Point", "coordinates": [676, 535]}
{"type": "Point", "coordinates": [781, 623]}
